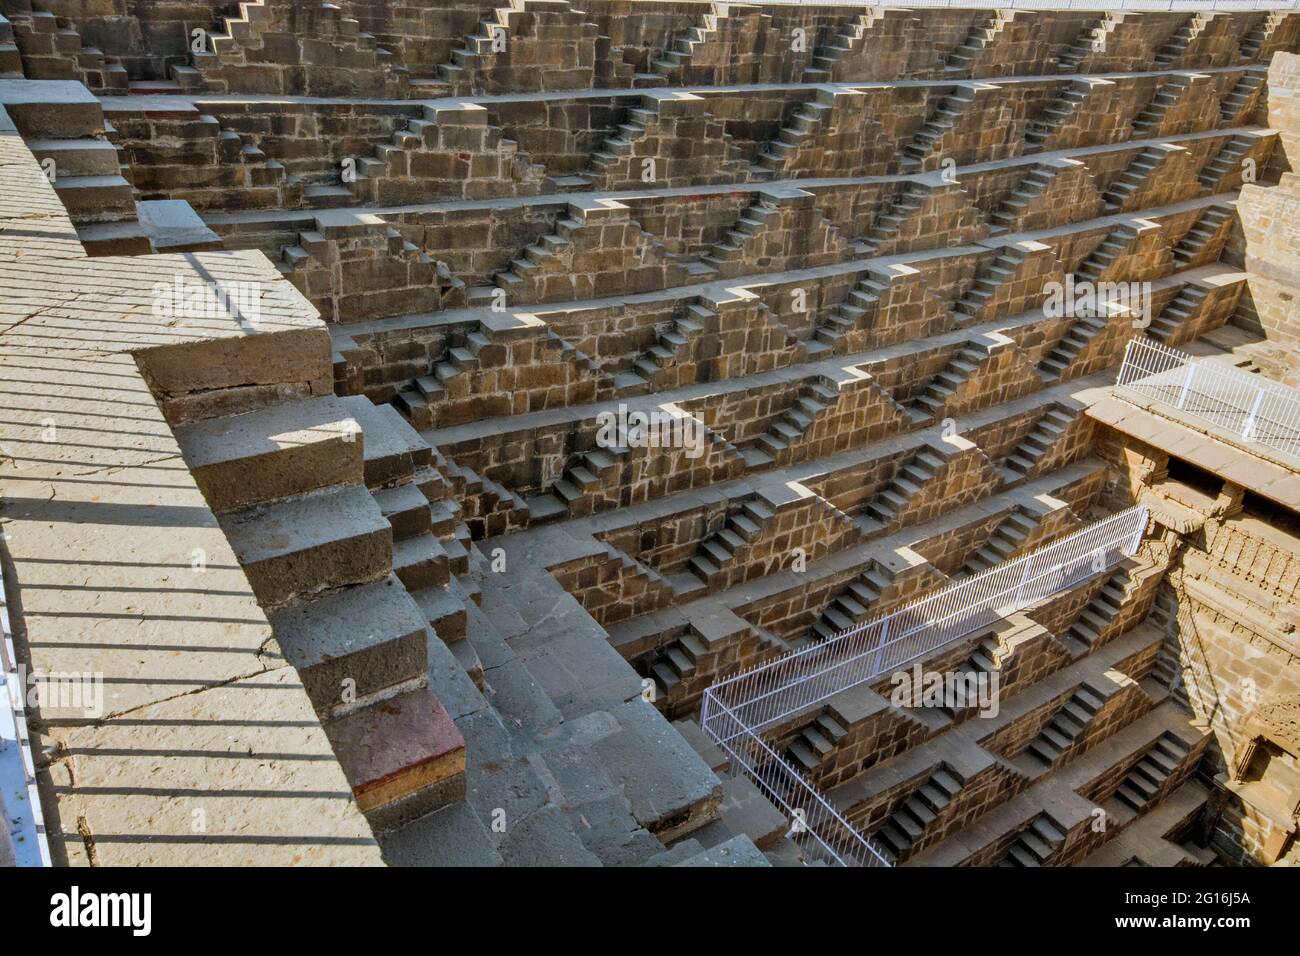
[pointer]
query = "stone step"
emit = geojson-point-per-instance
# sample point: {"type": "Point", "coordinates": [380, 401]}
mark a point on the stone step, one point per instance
{"type": "Point", "coordinates": [352, 644]}
{"type": "Point", "coordinates": [102, 198]}
{"type": "Point", "coordinates": [77, 157]}
{"type": "Point", "coordinates": [294, 549]}
{"type": "Point", "coordinates": [392, 450]}
{"type": "Point", "coordinates": [273, 453]}
{"type": "Point", "coordinates": [403, 757]}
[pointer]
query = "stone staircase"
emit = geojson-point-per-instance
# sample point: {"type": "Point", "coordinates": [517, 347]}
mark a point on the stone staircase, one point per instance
{"type": "Point", "coordinates": [299, 501]}
{"type": "Point", "coordinates": [666, 364]}
{"type": "Point", "coordinates": [1148, 123]}
{"type": "Point", "coordinates": [1226, 164]}
{"type": "Point", "coordinates": [927, 141]}
{"type": "Point", "coordinates": [672, 65]}
{"type": "Point", "coordinates": [889, 222]}
{"type": "Point", "coordinates": [730, 254]}
{"type": "Point", "coordinates": [1240, 101]}
{"type": "Point", "coordinates": [794, 422]}
{"type": "Point", "coordinates": [1092, 39]}
{"type": "Point", "coordinates": [1035, 846]}
{"type": "Point", "coordinates": [981, 36]}
{"type": "Point", "coordinates": [1063, 730]}
{"type": "Point", "coordinates": [943, 386]}
{"type": "Point", "coordinates": [806, 124]}
{"type": "Point", "coordinates": [909, 821]}
{"type": "Point", "coordinates": [848, 40]}
{"type": "Point", "coordinates": [1145, 781]}
{"type": "Point", "coordinates": [1038, 131]}
{"type": "Point", "coordinates": [971, 306]}
{"type": "Point", "coordinates": [1184, 309]}
{"type": "Point", "coordinates": [676, 663]}
{"type": "Point", "coordinates": [1006, 542]}
{"type": "Point", "coordinates": [893, 501]}
{"type": "Point", "coordinates": [1119, 194]}
{"type": "Point", "coordinates": [850, 314]}
{"type": "Point", "coordinates": [814, 742]}
{"type": "Point", "coordinates": [740, 529]}
{"type": "Point", "coordinates": [262, 35]}
{"type": "Point", "coordinates": [593, 470]}
{"type": "Point", "coordinates": [1042, 438]}
{"type": "Point", "coordinates": [45, 46]}
{"type": "Point", "coordinates": [1260, 33]}
{"type": "Point", "coordinates": [1071, 345]}
{"type": "Point", "coordinates": [440, 155]}
{"type": "Point", "coordinates": [1208, 232]}
{"type": "Point", "coordinates": [1094, 622]}
{"type": "Point", "coordinates": [614, 147]}
{"type": "Point", "coordinates": [853, 607]}
{"type": "Point", "coordinates": [1168, 56]}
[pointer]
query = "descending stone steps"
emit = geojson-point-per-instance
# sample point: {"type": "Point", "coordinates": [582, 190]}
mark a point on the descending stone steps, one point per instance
{"type": "Point", "coordinates": [1064, 354]}
{"type": "Point", "coordinates": [889, 222]}
{"type": "Point", "coordinates": [981, 36]}
{"type": "Point", "coordinates": [852, 607]}
{"type": "Point", "coordinates": [893, 501]}
{"type": "Point", "coordinates": [676, 663]}
{"type": "Point", "coordinates": [1226, 164]}
{"type": "Point", "coordinates": [1042, 438]}
{"type": "Point", "coordinates": [1062, 110]}
{"type": "Point", "coordinates": [1119, 194]}
{"type": "Point", "coordinates": [718, 550]}
{"type": "Point", "coordinates": [1147, 124]}
{"type": "Point", "coordinates": [1063, 730]}
{"type": "Point", "coordinates": [970, 307]}
{"type": "Point", "coordinates": [1179, 314]}
{"type": "Point", "coordinates": [1035, 846]}
{"type": "Point", "coordinates": [1147, 778]}
{"type": "Point", "coordinates": [1094, 622]}
{"type": "Point", "coordinates": [674, 62]}
{"type": "Point", "coordinates": [1006, 542]}
{"type": "Point", "coordinates": [1092, 39]}
{"type": "Point", "coordinates": [940, 389]}
{"type": "Point", "coordinates": [1260, 33]}
{"type": "Point", "coordinates": [848, 40]}
{"type": "Point", "coordinates": [1209, 230]}
{"type": "Point", "coordinates": [1237, 103]}
{"type": "Point", "coordinates": [794, 422]}
{"type": "Point", "coordinates": [909, 820]}
{"type": "Point", "coordinates": [666, 364]}
{"type": "Point", "coordinates": [814, 742]}
{"type": "Point", "coordinates": [1171, 53]}
{"type": "Point", "coordinates": [925, 143]}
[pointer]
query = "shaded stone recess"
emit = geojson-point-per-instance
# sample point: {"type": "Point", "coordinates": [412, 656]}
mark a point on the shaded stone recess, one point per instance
{"type": "Point", "coordinates": [417, 408]}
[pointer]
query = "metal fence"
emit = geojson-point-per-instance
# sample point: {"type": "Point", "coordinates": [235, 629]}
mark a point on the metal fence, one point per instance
{"type": "Point", "coordinates": [22, 829]}
{"type": "Point", "coordinates": [736, 712]}
{"type": "Point", "coordinates": [1250, 407]}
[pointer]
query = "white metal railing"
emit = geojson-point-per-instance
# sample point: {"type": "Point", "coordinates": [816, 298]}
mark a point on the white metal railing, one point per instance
{"type": "Point", "coordinates": [736, 712]}
{"type": "Point", "coordinates": [22, 833]}
{"type": "Point", "coordinates": [1251, 408]}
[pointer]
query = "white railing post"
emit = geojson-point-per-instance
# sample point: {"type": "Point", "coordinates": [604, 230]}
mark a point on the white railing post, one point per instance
{"type": "Point", "coordinates": [880, 651]}
{"type": "Point", "coordinates": [1250, 418]}
{"type": "Point", "coordinates": [1187, 384]}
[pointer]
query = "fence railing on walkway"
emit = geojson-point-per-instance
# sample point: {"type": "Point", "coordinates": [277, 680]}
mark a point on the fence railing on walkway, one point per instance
{"type": "Point", "coordinates": [736, 712]}
{"type": "Point", "coordinates": [22, 828]}
{"type": "Point", "coordinates": [1251, 408]}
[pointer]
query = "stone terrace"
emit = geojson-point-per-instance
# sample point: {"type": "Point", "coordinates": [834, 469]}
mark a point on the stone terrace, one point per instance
{"type": "Point", "coordinates": [326, 340]}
